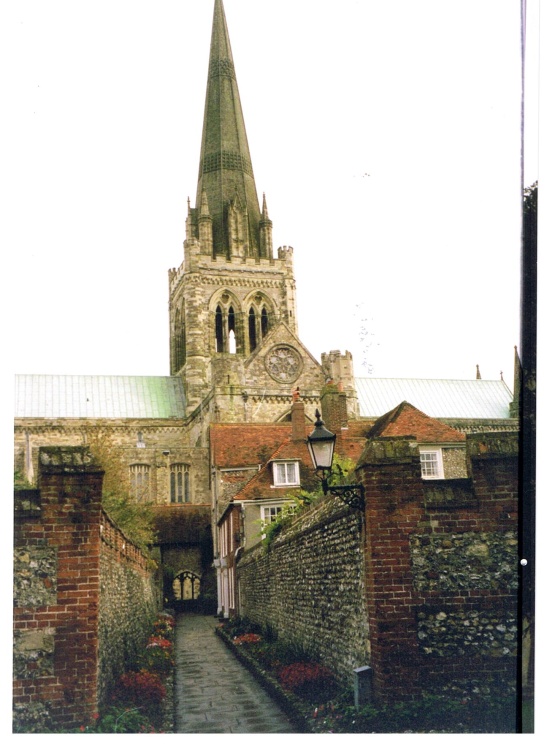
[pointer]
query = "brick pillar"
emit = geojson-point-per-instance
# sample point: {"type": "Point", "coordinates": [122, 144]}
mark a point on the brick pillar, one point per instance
{"type": "Point", "coordinates": [390, 470]}
{"type": "Point", "coordinates": [62, 615]}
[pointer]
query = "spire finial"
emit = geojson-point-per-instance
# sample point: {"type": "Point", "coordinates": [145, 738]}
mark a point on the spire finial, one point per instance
{"type": "Point", "coordinates": [478, 376]}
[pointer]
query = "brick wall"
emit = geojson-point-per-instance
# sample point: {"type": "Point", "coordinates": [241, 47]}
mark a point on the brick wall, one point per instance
{"type": "Point", "coordinates": [64, 574]}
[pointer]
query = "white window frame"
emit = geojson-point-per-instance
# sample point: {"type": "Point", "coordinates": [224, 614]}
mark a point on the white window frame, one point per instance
{"type": "Point", "coordinates": [265, 512]}
{"type": "Point", "coordinates": [437, 452]}
{"type": "Point", "coordinates": [280, 474]}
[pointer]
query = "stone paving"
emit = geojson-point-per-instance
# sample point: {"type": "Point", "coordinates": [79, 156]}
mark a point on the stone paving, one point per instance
{"type": "Point", "coordinates": [214, 693]}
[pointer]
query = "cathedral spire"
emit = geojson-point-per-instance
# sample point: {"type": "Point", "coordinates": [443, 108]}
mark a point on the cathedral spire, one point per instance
{"type": "Point", "coordinates": [225, 168]}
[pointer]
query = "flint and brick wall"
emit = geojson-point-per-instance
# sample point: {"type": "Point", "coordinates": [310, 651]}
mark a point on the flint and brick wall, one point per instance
{"type": "Point", "coordinates": [441, 568]}
{"type": "Point", "coordinates": [72, 569]}
{"type": "Point", "coordinates": [310, 587]}
{"type": "Point", "coordinates": [425, 592]}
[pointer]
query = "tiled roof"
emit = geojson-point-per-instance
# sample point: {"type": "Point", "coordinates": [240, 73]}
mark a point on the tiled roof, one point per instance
{"type": "Point", "coordinates": [260, 486]}
{"type": "Point", "coordinates": [239, 445]}
{"type": "Point", "coordinates": [406, 420]}
{"type": "Point", "coordinates": [99, 397]}
{"type": "Point", "coordinates": [448, 399]}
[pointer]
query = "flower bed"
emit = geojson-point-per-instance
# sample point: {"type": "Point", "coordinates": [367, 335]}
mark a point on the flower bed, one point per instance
{"type": "Point", "coordinates": [310, 696]}
{"type": "Point", "coordinates": [142, 699]}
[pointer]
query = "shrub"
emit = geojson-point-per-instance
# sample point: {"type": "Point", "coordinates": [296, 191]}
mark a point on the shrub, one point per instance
{"type": "Point", "coordinates": [429, 713]}
{"type": "Point", "coordinates": [240, 626]}
{"type": "Point", "coordinates": [308, 680]}
{"type": "Point", "coordinates": [164, 625]}
{"type": "Point", "coordinates": [139, 688]}
{"type": "Point", "coordinates": [119, 720]}
{"type": "Point", "coordinates": [158, 656]}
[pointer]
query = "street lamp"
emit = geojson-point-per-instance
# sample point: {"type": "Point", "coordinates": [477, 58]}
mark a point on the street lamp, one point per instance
{"type": "Point", "coordinates": [321, 447]}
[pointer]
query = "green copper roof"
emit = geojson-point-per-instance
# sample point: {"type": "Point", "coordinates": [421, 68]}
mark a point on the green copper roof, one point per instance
{"type": "Point", "coordinates": [225, 169]}
{"type": "Point", "coordinates": [98, 397]}
{"type": "Point", "coordinates": [448, 399]}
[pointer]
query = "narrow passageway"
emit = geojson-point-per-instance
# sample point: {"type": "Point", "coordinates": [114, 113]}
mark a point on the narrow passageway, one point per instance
{"type": "Point", "coordinates": [214, 693]}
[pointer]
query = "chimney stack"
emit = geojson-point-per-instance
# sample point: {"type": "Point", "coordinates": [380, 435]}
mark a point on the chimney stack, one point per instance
{"type": "Point", "coordinates": [298, 418]}
{"type": "Point", "coordinates": [334, 408]}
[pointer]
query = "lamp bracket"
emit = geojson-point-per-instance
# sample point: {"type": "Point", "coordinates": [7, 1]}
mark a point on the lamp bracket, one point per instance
{"type": "Point", "coordinates": [352, 495]}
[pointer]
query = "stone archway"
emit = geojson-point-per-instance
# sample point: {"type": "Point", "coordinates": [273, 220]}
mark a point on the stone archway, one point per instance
{"type": "Point", "coordinates": [186, 589]}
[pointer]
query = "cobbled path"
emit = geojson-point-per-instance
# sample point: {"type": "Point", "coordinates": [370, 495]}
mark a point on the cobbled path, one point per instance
{"type": "Point", "coordinates": [214, 693]}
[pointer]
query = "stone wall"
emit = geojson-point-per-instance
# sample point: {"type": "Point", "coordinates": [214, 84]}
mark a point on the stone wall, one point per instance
{"type": "Point", "coordinates": [309, 587]}
{"type": "Point", "coordinates": [72, 570]}
{"type": "Point", "coordinates": [128, 602]}
{"type": "Point", "coordinates": [162, 443]}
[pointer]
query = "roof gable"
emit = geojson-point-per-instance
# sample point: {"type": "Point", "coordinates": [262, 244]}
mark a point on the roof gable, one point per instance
{"type": "Point", "coordinates": [281, 335]}
{"type": "Point", "coordinates": [407, 421]}
{"type": "Point", "coordinates": [261, 485]}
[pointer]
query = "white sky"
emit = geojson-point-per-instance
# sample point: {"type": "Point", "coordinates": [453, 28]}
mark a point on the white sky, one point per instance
{"type": "Point", "coordinates": [386, 136]}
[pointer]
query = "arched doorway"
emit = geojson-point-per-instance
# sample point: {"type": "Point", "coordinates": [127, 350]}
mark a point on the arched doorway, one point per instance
{"type": "Point", "coordinates": [186, 589]}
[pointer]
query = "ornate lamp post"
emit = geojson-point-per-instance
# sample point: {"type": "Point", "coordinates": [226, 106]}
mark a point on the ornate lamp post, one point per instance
{"type": "Point", "coordinates": [321, 447]}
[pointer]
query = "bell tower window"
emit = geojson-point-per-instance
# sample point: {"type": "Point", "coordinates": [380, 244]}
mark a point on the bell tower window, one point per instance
{"type": "Point", "coordinates": [264, 322]}
{"type": "Point", "coordinates": [232, 348]}
{"type": "Point", "coordinates": [219, 333]}
{"type": "Point", "coordinates": [252, 329]}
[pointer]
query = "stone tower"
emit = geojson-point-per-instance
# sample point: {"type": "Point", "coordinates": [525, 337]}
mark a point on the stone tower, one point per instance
{"type": "Point", "coordinates": [232, 292]}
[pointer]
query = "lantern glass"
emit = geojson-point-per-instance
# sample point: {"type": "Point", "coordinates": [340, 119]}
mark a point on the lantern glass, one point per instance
{"type": "Point", "coordinates": [321, 445]}
{"type": "Point", "coordinates": [322, 453]}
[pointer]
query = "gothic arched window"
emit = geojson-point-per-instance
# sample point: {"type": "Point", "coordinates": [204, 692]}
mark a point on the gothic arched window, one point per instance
{"type": "Point", "coordinates": [232, 331]}
{"type": "Point", "coordinates": [219, 332]}
{"type": "Point", "coordinates": [252, 329]}
{"type": "Point", "coordinates": [180, 483]}
{"type": "Point", "coordinates": [264, 322]}
{"type": "Point", "coordinates": [140, 482]}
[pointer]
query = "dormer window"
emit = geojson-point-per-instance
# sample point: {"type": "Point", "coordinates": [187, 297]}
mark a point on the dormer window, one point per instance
{"type": "Point", "coordinates": [286, 473]}
{"type": "Point", "coordinates": [431, 460]}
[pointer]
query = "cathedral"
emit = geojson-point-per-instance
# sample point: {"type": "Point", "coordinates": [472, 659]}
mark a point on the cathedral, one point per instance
{"type": "Point", "coordinates": [235, 358]}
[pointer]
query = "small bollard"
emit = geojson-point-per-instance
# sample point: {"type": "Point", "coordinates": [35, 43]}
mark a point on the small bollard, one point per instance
{"type": "Point", "coordinates": [362, 686]}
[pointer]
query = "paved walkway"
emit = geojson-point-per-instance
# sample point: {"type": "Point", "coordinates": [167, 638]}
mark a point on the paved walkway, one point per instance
{"type": "Point", "coordinates": [214, 693]}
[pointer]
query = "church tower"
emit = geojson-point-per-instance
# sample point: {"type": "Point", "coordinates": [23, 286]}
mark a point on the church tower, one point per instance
{"type": "Point", "coordinates": [231, 290]}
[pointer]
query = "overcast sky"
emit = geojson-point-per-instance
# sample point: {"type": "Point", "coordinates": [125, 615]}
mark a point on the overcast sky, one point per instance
{"type": "Point", "coordinates": [386, 136]}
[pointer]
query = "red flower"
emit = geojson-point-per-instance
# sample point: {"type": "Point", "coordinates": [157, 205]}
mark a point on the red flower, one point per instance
{"type": "Point", "coordinates": [248, 638]}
